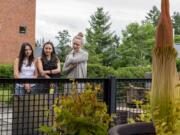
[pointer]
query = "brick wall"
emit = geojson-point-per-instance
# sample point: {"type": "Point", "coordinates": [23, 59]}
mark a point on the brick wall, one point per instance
{"type": "Point", "coordinates": [13, 14]}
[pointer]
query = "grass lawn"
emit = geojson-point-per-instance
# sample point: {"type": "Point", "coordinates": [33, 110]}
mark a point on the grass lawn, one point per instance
{"type": "Point", "coordinates": [5, 95]}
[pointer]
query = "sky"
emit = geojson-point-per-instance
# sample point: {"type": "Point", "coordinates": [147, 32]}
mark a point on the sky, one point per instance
{"type": "Point", "coordinates": [74, 15]}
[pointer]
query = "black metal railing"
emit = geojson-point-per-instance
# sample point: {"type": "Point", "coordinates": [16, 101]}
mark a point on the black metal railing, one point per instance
{"type": "Point", "coordinates": [23, 113]}
{"type": "Point", "coordinates": [127, 91]}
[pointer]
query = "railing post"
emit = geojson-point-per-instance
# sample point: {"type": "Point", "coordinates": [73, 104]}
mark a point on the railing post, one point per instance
{"type": "Point", "coordinates": [110, 94]}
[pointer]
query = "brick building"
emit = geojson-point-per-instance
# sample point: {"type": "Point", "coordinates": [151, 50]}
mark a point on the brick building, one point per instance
{"type": "Point", "coordinates": [17, 25]}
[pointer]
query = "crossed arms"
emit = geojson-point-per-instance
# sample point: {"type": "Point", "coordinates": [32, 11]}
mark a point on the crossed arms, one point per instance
{"type": "Point", "coordinates": [72, 61]}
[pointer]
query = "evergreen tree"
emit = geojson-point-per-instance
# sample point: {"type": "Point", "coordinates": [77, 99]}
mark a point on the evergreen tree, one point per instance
{"type": "Point", "coordinates": [99, 36]}
{"type": "Point", "coordinates": [117, 40]}
{"type": "Point", "coordinates": [137, 44]}
{"type": "Point", "coordinates": [176, 23]}
{"type": "Point", "coordinates": [64, 44]}
{"type": "Point", "coordinates": [152, 16]}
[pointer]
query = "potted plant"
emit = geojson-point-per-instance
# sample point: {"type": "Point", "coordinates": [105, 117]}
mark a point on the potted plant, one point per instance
{"type": "Point", "coordinates": [80, 114]}
{"type": "Point", "coordinates": [164, 104]}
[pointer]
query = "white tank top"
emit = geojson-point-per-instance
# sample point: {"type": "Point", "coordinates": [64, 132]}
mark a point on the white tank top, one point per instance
{"type": "Point", "coordinates": [27, 71]}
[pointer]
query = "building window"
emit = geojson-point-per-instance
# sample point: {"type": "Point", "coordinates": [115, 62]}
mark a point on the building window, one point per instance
{"type": "Point", "coordinates": [22, 29]}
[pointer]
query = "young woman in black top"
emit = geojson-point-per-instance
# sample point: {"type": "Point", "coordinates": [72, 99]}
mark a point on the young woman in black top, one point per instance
{"type": "Point", "coordinates": [49, 63]}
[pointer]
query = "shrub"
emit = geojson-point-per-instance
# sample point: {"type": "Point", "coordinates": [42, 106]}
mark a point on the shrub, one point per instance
{"type": "Point", "coordinates": [177, 39]}
{"type": "Point", "coordinates": [6, 71]}
{"type": "Point", "coordinates": [80, 114]}
{"type": "Point", "coordinates": [132, 72]}
{"type": "Point", "coordinates": [95, 70]}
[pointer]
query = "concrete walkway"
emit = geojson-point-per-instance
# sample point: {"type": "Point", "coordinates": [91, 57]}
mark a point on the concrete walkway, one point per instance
{"type": "Point", "coordinates": [5, 120]}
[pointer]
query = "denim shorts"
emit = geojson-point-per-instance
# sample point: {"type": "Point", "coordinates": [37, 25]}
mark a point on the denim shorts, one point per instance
{"type": "Point", "coordinates": [19, 90]}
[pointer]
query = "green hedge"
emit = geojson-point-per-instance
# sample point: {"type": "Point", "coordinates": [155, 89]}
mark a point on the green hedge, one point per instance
{"type": "Point", "coordinates": [6, 71]}
{"type": "Point", "coordinates": [178, 64]}
{"type": "Point", "coordinates": [132, 72]}
{"type": "Point", "coordinates": [177, 39]}
{"type": "Point", "coordinates": [97, 71]}
{"type": "Point", "coordinates": [124, 72]}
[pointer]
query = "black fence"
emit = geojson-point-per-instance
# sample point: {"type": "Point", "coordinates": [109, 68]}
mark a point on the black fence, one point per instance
{"type": "Point", "coordinates": [22, 113]}
{"type": "Point", "coordinates": [127, 91]}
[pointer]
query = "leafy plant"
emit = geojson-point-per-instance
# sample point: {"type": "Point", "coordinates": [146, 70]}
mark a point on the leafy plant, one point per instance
{"type": "Point", "coordinates": [162, 125]}
{"type": "Point", "coordinates": [80, 114]}
{"type": "Point", "coordinates": [168, 125]}
{"type": "Point", "coordinates": [145, 108]}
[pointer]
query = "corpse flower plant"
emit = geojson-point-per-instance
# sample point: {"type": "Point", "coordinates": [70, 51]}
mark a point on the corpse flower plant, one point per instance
{"type": "Point", "coordinates": [165, 95]}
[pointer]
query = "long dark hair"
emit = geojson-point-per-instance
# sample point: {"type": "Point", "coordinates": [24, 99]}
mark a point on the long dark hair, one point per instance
{"type": "Point", "coordinates": [53, 54]}
{"type": "Point", "coordinates": [22, 55]}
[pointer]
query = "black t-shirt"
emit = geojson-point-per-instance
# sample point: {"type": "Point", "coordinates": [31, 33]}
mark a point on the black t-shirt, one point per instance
{"type": "Point", "coordinates": [50, 65]}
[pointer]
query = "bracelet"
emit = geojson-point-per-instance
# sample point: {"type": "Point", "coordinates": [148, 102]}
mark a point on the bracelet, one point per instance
{"type": "Point", "coordinates": [50, 71]}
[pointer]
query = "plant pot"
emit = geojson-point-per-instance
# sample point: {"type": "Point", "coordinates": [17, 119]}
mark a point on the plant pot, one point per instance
{"type": "Point", "coordinates": [133, 129]}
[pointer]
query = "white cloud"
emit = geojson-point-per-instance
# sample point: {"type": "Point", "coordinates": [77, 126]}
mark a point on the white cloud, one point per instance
{"type": "Point", "coordinates": [73, 15]}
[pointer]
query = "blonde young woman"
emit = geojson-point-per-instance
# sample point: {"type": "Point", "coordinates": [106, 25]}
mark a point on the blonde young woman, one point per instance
{"type": "Point", "coordinates": [75, 65]}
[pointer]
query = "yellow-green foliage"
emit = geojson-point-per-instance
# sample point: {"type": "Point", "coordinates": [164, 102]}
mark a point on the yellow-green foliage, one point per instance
{"type": "Point", "coordinates": [161, 124]}
{"type": "Point", "coordinates": [146, 115]}
{"type": "Point", "coordinates": [80, 114]}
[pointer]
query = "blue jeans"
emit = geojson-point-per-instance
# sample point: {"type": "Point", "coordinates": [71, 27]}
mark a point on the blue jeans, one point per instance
{"type": "Point", "coordinates": [21, 91]}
